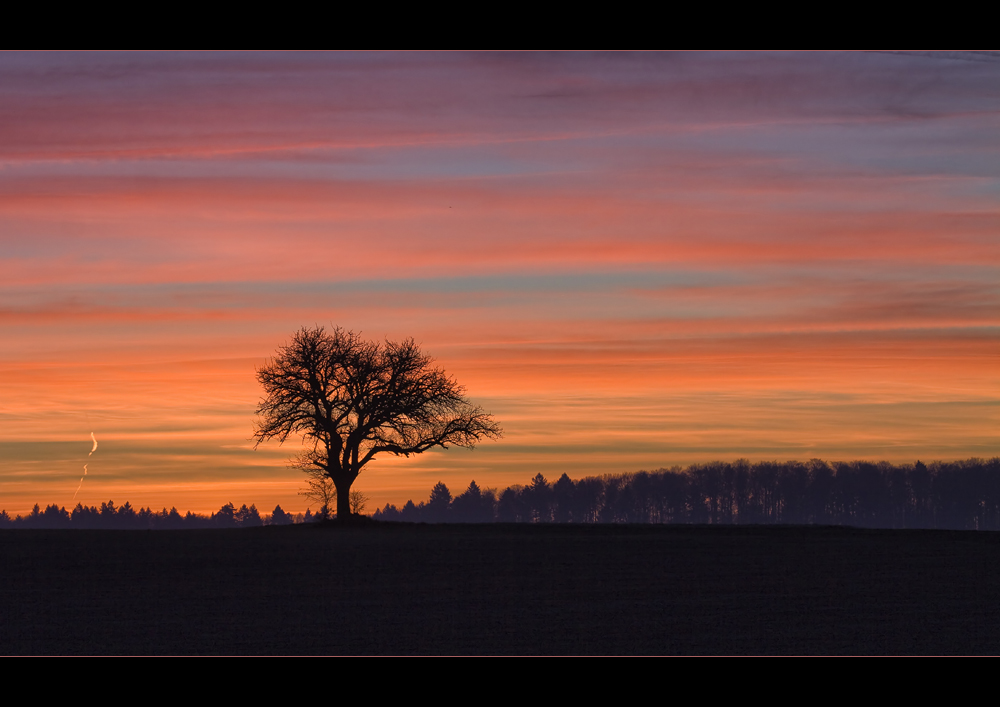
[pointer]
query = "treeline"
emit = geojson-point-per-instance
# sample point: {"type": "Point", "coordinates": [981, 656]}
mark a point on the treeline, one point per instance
{"type": "Point", "coordinates": [958, 495]}
{"type": "Point", "coordinates": [125, 517]}
{"type": "Point", "coordinates": [962, 495]}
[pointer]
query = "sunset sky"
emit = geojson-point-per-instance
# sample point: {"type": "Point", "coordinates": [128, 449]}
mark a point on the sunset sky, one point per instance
{"type": "Point", "coordinates": [633, 261]}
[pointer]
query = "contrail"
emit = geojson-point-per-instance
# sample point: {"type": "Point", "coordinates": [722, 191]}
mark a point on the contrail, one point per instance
{"type": "Point", "coordinates": [81, 481]}
{"type": "Point", "coordinates": [92, 450]}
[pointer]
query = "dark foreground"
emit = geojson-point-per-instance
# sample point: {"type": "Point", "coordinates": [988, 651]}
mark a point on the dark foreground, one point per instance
{"type": "Point", "coordinates": [500, 589]}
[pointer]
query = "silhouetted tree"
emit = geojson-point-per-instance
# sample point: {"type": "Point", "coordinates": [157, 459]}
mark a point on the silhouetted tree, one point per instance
{"type": "Point", "coordinates": [108, 514]}
{"type": "Point", "coordinates": [174, 519]}
{"type": "Point", "coordinates": [820, 505]}
{"type": "Point", "coordinates": [921, 482]}
{"type": "Point", "coordinates": [473, 506]}
{"type": "Point", "coordinates": [588, 499]}
{"type": "Point", "coordinates": [645, 498]}
{"type": "Point", "coordinates": [509, 505]}
{"type": "Point", "coordinates": [146, 518]}
{"type": "Point", "coordinates": [126, 516]}
{"type": "Point", "coordinates": [225, 517]}
{"type": "Point", "coordinates": [193, 520]}
{"type": "Point", "coordinates": [279, 517]}
{"type": "Point", "coordinates": [55, 517]}
{"type": "Point", "coordinates": [439, 504]}
{"type": "Point", "coordinates": [320, 489]}
{"type": "Point", "coordinates": [410, 512]}
{"type": "Point", "coordinates": [562, 500]}
{"type": "Point", "coordinates": [358, 502]}
{"type": "Point", "coordinates": [34, 519]}
{"type": "Point", "coordinates": [703, 489]}
{"type": "Point", "coordinates": [464, 505]}
{"type": "Point", "coordinates": [351, 400]}
{"type": "Point", "coordinates": [248, 517]}
{"type": "Point", "coordinates": [83, 516]}
{"type": "Point", "coordinates": [672, 494]}
{"type": "Point", "coordinates": [765, 494]}
{"type": "Point", "coordinates": [611, 508]}
{"type": "Point", "coordinates": [538, 496]}
{"type": "Point", "coordinates": [389, 513]}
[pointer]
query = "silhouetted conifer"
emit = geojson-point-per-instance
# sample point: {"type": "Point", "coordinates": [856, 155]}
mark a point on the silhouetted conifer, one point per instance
{"type": "Point", "coordinates": [509, 505]}
{"type": "Point", "coordinates": [473, 506]}
{"type": "Point", "coordinates": [538, 499]}
{"type": "Point", "coordinates": [248, 517]}
{"type": "Point", "coordinates": [410, 512]}
{"type": "Point", "coordinates": [279, 517]}
{"type": "Point", "coordinates": [439, 505]}
{"type": "Point", "coordinates": [225, 517]}
{"type": "Point", "coordinates": [389, 513]}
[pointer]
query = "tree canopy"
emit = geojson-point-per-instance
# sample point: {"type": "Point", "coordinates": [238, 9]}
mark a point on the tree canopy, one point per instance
{"type": "Point", "coordinates": [351, 399]}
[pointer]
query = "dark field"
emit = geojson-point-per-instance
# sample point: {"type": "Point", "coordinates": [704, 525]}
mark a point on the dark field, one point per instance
{"type": "Point", "coordinates": [500, 589]}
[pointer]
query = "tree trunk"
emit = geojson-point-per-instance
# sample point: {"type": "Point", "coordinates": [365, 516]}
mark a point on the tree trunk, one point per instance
{"type": "Point", "coordinates": [343, 499]}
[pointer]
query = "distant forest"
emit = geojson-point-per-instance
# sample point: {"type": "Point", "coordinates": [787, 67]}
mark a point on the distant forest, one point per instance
{"type": "Point", "coordinates": [125, 517]}
{"type": "Point", "coordinates": [962, 495]}
{"type": "Point", "coordinates": [958, 495]}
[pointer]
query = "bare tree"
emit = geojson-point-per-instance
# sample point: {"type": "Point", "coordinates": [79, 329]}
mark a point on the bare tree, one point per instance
{"type": "Point", "coordinates": [358, 502]}
{"type": "Point", "coordinates": [319, 488]}
{"type": "Point", "coordinates": [352, 399]}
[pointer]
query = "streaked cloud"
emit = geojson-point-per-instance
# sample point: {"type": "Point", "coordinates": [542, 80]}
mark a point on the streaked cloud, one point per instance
{"type": "Point", "coordinates": [633, 260]}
